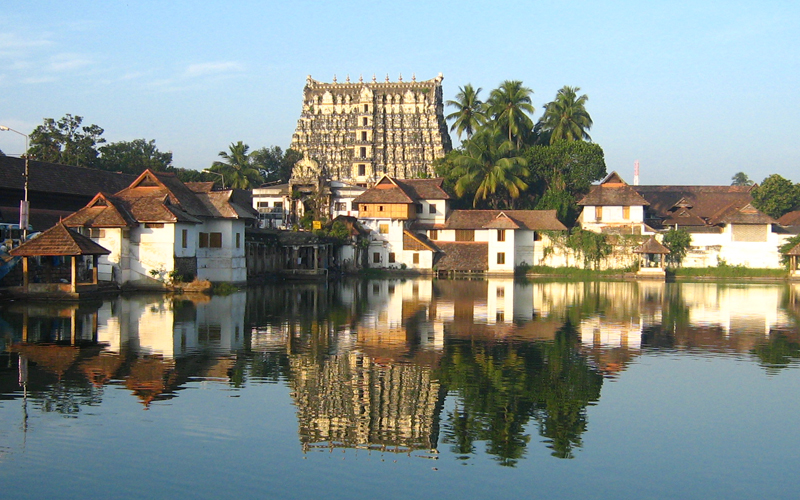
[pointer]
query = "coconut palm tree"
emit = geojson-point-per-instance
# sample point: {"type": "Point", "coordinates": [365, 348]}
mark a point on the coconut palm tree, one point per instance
{"type": "Point", "coordinates": [239, 169]}
{"type": "Point", "coordinates": [566, 118]}
{"type": "Point", "coordinates": [468, 115]}
{"type": "Point", "coordinates": [489, 166]}
{"type": "Point", "coordinates": [509, 105]}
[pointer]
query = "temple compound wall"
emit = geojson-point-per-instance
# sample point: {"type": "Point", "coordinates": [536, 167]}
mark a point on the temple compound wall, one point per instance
{"type": "Point", "coordinates": [358, 131]}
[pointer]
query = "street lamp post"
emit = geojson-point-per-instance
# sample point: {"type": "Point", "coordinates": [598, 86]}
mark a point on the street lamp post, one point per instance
{"type": "Point", "coordinates": [23, 205]}
{"type": "Point", "coordinates": [216, 173]}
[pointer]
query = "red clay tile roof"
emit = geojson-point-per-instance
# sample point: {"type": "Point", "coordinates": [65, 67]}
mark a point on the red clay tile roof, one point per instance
{"type": "Point", "coordinates": [59, 240]}
{"type": "Point", "coordinates": [463, 256]}
{"type": "Point", "coordinates": [606, 195]}
{"type": "Point", "coordinates": [223, 204]}
{"type": "Point", "coordinates": [407, 191]}
{"type": "Point", "coordinates": [535, 220]}
{"type": "Point", "coordinates": [790, 219]}
{"type": "Point", "coordinates": [103, 211]}
{"type": "Point", "coordinates": [414, 241]}
{"type": "Point", "coordinates": [501, 221]}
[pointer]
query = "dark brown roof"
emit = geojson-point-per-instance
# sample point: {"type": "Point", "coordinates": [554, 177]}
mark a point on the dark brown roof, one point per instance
{"type": "Point", "coordinates": [535, 220]}
{"type": "Point", "coordinates": [747, 214]}
{"type": "Point", "coordinates": [103, 211]}
{"type": "Point", "coordinates": [63, 179]}
{"type": "Point", "coordinates": [463, 256]}
{"type": "Point", "coordinates": [794, 251]}
{"type": "Point", "coordinates": [652, 246]}
{"type": "Point", "coordinates": [703, 201]}
{"type": "Point", "coordinates": [162, 197]}
{"type": "Point", "coordinates": [501, 221]}
{"type": "Point", "coordinates": [59, 240]}
{"type": "Point", "coordinates": [620, 195]}
{"type": "Point", "coordinates": [790, 219]}
{"type": "Point", "coordinates": [224, 204]}
{"type": "Point", "coordinates": [406, 191]}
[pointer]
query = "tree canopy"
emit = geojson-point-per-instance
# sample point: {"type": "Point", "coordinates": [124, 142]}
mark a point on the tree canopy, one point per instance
{"type": "Point", "coordinates": [239, 168]}
{"type": "Point", "coordinates": [776, 196]}
{"type": "Point", "coordinates": [509, 109]}
{"type": "Point", "coordinates": [566, 118]}
{"type": "Point", "coordinates": [741, 179]}
{"type": "Point", "coordinates": [469, 114]}
{"type": "Point", "coordinates": [66, 141]}
{"type": "Point", "coordinates": [133, 157]}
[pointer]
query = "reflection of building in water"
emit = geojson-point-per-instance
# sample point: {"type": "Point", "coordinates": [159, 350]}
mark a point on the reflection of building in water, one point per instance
{"type": "Point", "coordinates": [735, 309]}
{"type": "Point", "coordinates": [350, 400]}
{"type": "Point", "coordinates": [171, 328]}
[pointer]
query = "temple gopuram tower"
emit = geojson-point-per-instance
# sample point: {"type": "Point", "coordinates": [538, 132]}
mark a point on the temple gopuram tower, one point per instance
{"type": "Point", "coordinates": [358, 131]}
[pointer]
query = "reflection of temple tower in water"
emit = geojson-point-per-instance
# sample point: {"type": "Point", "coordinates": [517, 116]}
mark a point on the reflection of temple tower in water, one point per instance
{"type": "Point", "coordinates": [351, 401]}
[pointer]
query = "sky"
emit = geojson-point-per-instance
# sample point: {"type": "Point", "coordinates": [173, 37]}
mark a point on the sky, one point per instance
{"type": "Point", "coordinates": [695, 91]}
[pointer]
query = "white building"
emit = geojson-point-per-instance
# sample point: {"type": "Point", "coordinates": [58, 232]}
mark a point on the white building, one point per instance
{"type": "Point", "coordinates": [159, 227]}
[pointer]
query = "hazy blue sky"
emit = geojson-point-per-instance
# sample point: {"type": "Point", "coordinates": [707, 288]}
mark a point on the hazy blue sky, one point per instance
{"type": "Point", "coordinates": [696, 91]}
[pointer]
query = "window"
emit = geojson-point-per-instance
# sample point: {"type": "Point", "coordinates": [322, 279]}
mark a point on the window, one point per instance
{"type": "Point", "coordinates": [363, 136]}
{"type": "Point", "coordinates": [465, 235]}
{"type": "Point", "coordinates": [263, 204]}
{"type": "Point", "coordinates": [380, 208]}
{"type": "Point", "coordinates": [501, 257]}
{"type": "Point", "coordinates": [376, 257]}
{"type": "Point", "coordinates": [364, 208]}
{"type": "Point", "coordinates": [210, 240]}
{"type": "Point", "coordinates": [500, 316]}
{"type": "Point", "coordinates": [383, 228]}
{"type": "Point", "coordinates": [626, 213]}
{"type": "Point", "coordinates": [362, 169]}
{"type": "Point", "coordinates": [97, 233]}
{"type": "Point", "coordinates": [366, 108]}
{"type": "Point", "coordinates": [238, 240]}
{"type": "Point", "coordinates": [391, 257]}
{"type": "Point", "coordinates": [215, 240]}
{"type": "Point", "coordinates": [340, 206]}
{"type": "Point", "coordinates": [598, 213]}
{"type": "Point", "coordinates": [154, 225]}
{"type": "Point", "coordinates": [363, 152]}
{"type": "Point", "coordinates": [418, 206]}
{"type": "Point", "coordinates": [354, 207]}
{"type": "Point", "coordinates": [278, 204]}
{"type": "Point", "coordinates": [501, 292]}
{"type": "Point", "coordinates": [431, 208]}
{"type": "Point", "coordinates": [415, 258]}
{"type": "Point", "coordinates": [184, 238]}
{"type": "Point", "coordinates": [365, 121]}
{"type": "Point", "coordinates": [433, 234]}
{"type": "Point", "coordinates": [501, 235]}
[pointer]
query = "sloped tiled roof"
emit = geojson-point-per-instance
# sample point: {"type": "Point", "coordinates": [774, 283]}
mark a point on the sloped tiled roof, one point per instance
{"type": "Point", "coordinates": [501, 221]}
{"type": "Point", "coordinates": [747, 214]}
{"type": "Point", "coordinates": [463, 256]}
{"type": "Point", "coordinates": [652, 246]}
{"type": "Point", "coordinates": [794, 251]}
{"type": "Point", "coordinates": [790, 219]}
{"type": "Point", "coordinates": [221, 204]}
{"type": "Point", "coordinates": [62, 179]}
{"type": "Point", "coordinates": [612, 191]}
{"type": "Point", "coordinates": [413, 240]}
{"type": "Point", "coordinates": [102, 211]}
{"type": "Point", "coordinates": [704, 201]}
{"type": "Point", "coordinates": [406, 191]}
{"type": "Point", "coordinates": [535, 220]}
{"type": "Point", "coordinates": [59, 240]}
{"type": "Point", "coordinates": [162, 197]}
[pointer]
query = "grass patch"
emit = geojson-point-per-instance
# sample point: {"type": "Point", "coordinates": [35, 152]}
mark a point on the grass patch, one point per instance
{"type": "Point", "coordinates": [725, 271]}
{"type": "Point", "coordinates": [570, 272]}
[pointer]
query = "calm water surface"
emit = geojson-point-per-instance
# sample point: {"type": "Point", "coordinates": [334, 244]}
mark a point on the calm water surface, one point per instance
{"type": "Point", "coordinates": [406, 388]}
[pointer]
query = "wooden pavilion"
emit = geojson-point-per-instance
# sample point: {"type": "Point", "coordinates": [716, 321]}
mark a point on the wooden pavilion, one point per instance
{"type": "Point", "coordinates": [793, 254]}
{"type": "Point", "coordinates": [59, 263]}
{"type": "Point", "coordinates": [652, 259]}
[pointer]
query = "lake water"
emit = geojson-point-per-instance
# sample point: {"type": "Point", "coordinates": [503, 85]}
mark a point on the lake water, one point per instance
{"type": "Point", "coordinates": [406, 388]}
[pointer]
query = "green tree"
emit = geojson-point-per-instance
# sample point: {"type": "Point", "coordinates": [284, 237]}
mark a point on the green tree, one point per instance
{"type": "Point", "coordinates": [562, 173]}
{"type": "Point", "coordinates": [776, 196]}
{"type": "Point", "coordinates": [276, 164]}
{"type": "Point", "coordinates": [66, 141]}
{"type": "Point", "coordinates": [566, 118]}
{"type": "Point", "coordinates": [677, 242]}
{"type": "Point", "coordinates": [133, 157]}
{"type": "Point", "coordinates": [238, 168]}
{"type": "Point", "coordinates": [593, 247]}
{"type": "Point", "coordinates": [741, 179]}
{"type": "Point", "coordinates": [509, 106]}
{"type": "Point", "coordinates": [490, 167]}
{"type": "Point", "coordinates": [468, 116]}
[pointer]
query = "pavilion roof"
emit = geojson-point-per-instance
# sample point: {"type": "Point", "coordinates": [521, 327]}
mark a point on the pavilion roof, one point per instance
{"type": "Point", "coordinates": [59, 240]}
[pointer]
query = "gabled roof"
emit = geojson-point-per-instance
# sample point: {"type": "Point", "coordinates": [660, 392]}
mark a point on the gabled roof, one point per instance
{"type": "Point", "coordinates": [103, 211]}
{"type": "Point", "coordinates": [790, 219]}
{"type": "Point", "coordinates": [224, 204]}
{"type": "Point", "coordinates": [405, 191]}
{"type": "Point", "coordinates": [411, 240]}
{"type": "Point", "coordinates": [794, 251]}
{"type": "Point", "coordinates": [162, 197]}
{"type": "Point", "coordinates": [463, 256]}
{"type": "Point", "coordinates": [59, 240]}
{"type": "Point", "coordinates": [535, 220]}
{"type": "Point", "coordinates": [613, 191]}
{"type": "Point", "coordinates": [501, 221]}
{"type": "Point", "coordinates": [652, 246]}
{"type": "Point", "coordinates": [747, 214]}
{"type": "Point", "coordinates": [706, 202]}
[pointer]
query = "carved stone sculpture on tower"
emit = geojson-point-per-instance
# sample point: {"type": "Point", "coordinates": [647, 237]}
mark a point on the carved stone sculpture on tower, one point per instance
{"type": "Point", "coordinates": [361, 130]}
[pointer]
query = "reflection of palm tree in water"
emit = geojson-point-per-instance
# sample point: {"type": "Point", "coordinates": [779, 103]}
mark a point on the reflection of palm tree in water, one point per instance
{"type": "Point", "coordinates": [501, 386]}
